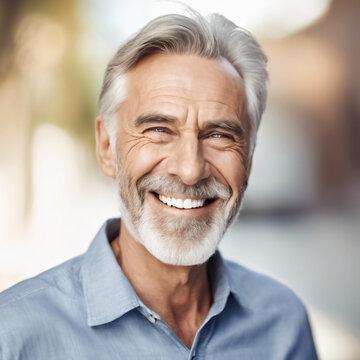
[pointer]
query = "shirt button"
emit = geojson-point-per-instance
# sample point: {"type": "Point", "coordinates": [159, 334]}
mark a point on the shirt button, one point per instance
{"type": "Point", "coordinates": [152, 319]}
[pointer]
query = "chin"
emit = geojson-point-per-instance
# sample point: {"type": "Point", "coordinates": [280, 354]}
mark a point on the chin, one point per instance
{"type": "Point", "coordinates": [181, 241]}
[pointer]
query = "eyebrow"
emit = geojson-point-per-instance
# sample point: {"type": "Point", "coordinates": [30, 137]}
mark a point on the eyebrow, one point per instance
{"type": "Point", "coordinates": [228, 125]}
{"type": "Point", "coordinates": [154, 118]}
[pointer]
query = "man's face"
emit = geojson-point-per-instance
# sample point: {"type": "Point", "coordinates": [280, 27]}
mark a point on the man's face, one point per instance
{"type": "Point", "coordinates": [182, 154]}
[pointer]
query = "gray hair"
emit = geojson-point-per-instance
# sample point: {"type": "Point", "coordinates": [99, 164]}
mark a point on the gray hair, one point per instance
{"type": "Point", "coordinates": [211, 37]}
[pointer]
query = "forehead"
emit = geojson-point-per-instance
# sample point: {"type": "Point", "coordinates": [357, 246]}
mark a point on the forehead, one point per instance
{"type": "Point", "coordinates": [182, 81]}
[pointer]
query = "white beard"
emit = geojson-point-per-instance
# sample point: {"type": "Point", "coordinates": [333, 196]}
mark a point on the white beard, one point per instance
{"type": "Point", "coordinates": [180, 241]}
{"type": "Point", "coordinates": [175, 240]}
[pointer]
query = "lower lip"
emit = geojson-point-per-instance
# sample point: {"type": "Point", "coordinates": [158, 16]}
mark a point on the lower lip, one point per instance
{"type": "Point", "coordinates": [184, 212]}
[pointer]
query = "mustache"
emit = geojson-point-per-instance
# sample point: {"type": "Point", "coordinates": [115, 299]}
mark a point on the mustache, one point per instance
{"type": "Point", "coordinates": [207, 188]}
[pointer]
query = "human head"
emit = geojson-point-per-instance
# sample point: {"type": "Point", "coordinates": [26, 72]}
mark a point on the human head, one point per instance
{"type": "Point", "coordinates": [181, 61]}
{"type": "Point", "coordinates": [212, 37]}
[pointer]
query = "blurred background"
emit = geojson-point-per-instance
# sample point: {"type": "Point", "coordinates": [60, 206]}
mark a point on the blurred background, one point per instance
{"type": "Point", "coordinates": [301, 218]}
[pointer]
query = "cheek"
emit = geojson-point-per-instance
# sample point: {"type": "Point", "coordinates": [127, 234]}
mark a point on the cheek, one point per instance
{"type": "Point", "coordinates": [229, 167]}
{"type": "Point", "coordinates": [139, 157]}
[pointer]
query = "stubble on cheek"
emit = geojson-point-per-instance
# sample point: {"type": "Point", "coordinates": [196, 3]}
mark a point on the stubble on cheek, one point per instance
{"type": "Point", "coordinates": [236, 207]}
{"type": "Point", "coordinates": [128, 193]}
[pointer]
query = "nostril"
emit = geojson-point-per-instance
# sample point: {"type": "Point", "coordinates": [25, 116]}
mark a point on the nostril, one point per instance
{"type": "Point", "coordinates": [188, 162]}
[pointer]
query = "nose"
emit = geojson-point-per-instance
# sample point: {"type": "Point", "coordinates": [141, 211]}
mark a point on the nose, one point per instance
{"type": "Point", "coordinates": [187, 160]}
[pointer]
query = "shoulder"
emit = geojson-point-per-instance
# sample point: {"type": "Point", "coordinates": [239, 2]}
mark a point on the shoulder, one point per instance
{"type": "Point", "coordinates": [275, 309]}
{"type": "Point", "coordinates": [25, 302]}
{"type": "Point", "coordinates": [61, 276]}
{"type": "Point", "coordinates": [260, 291]}
{"type": "Point", "coordinates": [271, 302]}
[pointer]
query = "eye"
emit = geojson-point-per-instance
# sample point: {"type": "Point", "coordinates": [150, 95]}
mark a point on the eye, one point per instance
{"type": "Point", "coordinates": [218, 135]}
{"type": "Point", "coordinates": [158, 134]}
{"type": "Point", "coordinates": [158, 130]}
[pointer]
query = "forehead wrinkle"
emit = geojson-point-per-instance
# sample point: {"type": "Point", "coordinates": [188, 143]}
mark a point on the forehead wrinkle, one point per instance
{"type": "Point", "coordinates": [159, 86]}
{"type": "Point", "coordinates": [189, 95]}
{"type": "Point", "coordinates": [186, 101]}
{"type": "Point", "coordinates": [192, 87]}
{"type": "Point", "coordinates": [193, 95]}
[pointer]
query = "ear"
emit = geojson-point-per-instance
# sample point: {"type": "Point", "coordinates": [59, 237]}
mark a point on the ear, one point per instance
{"type": "Point", "coordinates": [104, 153]}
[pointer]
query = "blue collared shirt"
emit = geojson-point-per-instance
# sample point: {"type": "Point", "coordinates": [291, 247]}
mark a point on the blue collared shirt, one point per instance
{"type": "Point", "coordinates": [87, 309]}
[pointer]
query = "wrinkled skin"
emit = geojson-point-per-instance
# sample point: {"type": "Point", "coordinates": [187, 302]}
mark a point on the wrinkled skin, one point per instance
{"type": "Point", "coordinates": [183, 119]}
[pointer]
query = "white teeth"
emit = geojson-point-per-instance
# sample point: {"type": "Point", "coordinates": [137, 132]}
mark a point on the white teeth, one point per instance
{"type": "Point", "coordinates": [179, 203]}
{"type": "Point", "coordinates": [182, 204]}
{"type": "Point", "coordinates": [187, 204]}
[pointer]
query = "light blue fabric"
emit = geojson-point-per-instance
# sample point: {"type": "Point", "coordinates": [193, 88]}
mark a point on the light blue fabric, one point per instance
{"type": "Point", "coordinates": [87, 309]}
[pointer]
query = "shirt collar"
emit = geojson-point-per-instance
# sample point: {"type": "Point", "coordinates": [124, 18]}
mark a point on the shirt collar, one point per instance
{"type": "Point", "coordinates": [219, 280]}
{"type": "Point", "coordinates": [236, 278]}
{"type": "Point", "coordinates": [108, 293]}
{"type": "Point", "coordinates": [224, 283]}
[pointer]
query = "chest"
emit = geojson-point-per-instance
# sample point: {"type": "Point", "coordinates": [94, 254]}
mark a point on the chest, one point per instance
{"type": "Point", "coordinates": [135, 336]}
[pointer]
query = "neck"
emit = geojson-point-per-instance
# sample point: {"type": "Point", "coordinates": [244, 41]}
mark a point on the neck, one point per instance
{"type": "Point", "coordinates": [179, 294]}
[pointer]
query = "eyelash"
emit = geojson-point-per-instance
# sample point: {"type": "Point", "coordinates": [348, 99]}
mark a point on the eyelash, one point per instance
{"type": "Point", "coordinates": [158, 129]}
{"type": "Point", "coordinates": [218, 135]}
{"type": "Point", "coordinates": [214, 135]}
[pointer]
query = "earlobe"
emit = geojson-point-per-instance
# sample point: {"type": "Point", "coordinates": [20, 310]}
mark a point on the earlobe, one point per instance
{"type": "Point", "coordinates": [104, 152]}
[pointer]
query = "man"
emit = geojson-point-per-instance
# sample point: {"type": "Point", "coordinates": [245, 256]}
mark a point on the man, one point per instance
{"type": "Point", "coordinates": [178, 114]}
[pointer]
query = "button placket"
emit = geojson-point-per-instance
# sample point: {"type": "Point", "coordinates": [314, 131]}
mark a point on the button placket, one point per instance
{"type": "Point", "coordinates": [152, 318]}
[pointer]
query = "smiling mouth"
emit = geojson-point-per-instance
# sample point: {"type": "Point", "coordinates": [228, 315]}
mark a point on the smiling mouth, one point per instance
{"type": "Point", "coordinates": [186, 203]}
